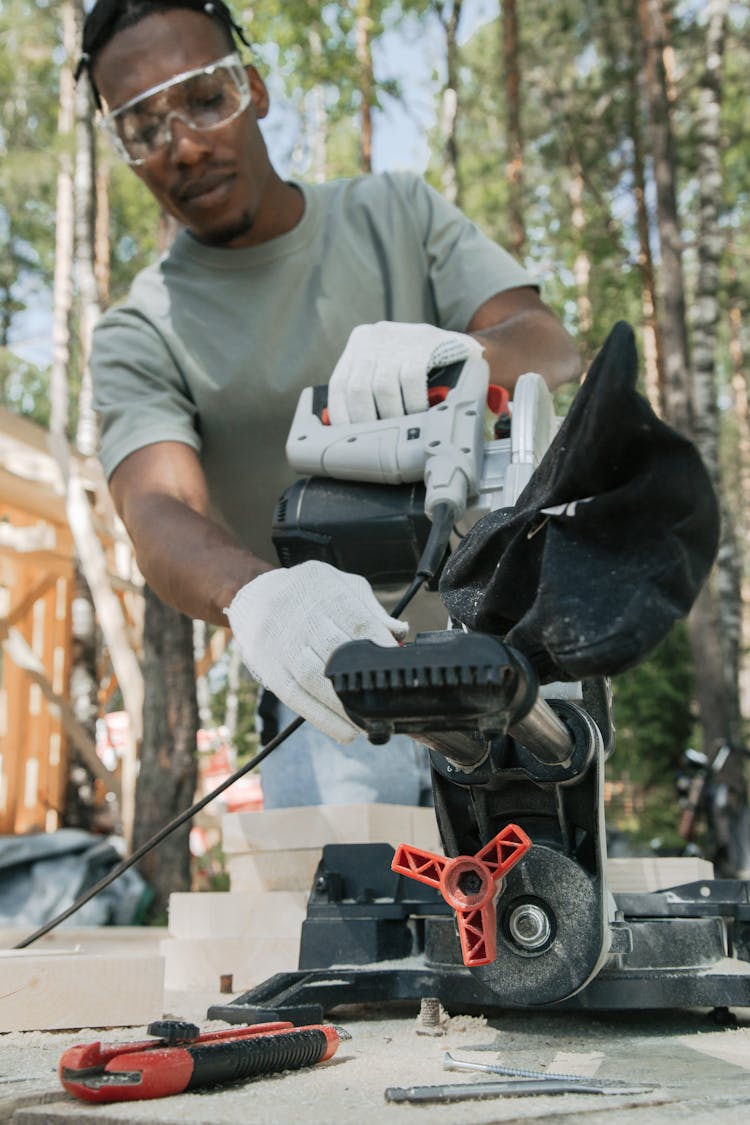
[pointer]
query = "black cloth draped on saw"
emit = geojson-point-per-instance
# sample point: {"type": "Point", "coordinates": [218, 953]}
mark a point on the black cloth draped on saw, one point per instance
{"type": "Point", "coordinates": [608, 544]}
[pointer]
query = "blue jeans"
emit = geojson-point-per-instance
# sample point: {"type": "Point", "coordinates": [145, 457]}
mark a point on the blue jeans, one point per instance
{"type": "Point", "coordinates": [309, 768]}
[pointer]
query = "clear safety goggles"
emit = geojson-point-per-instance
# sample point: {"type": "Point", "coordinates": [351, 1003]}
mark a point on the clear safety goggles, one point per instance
{"type": "Point", "coordinates": [203, 99]}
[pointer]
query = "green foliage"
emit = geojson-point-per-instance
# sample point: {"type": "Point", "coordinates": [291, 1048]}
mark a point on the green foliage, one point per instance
{"type": "Point", "coordinates": [654, 721]}
{"type": "Point", "coordinates": [28, 109]}
{"type": "Point", "coordinates": [24, 388]}
{"type": "Point", "coordinates": [133, 225]}
{"type": "Point", "coordinates": [653, 712]}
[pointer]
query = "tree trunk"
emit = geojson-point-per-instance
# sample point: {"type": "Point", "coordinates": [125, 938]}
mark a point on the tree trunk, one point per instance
{"type": "Point", "coordinates": [363, 33]}
{"type": "Point", "coordinates": [582, 264]}
{"type": "Point", "coordinates": [653, 352]}
{"type": "Point", "coordinates": [715, 694]}
{"type": "Point", "coordinates": [319, 143]}
{"type": "Point", "coordinates": [710, 242]}
{"type": "Point", "coordinates": [514, 166]}
{"type": "Point", "coordinates": [677, 395]}
{"type": "Point", "coordinates": [706, 316]}
{"type": "Point", "coordinates": [89, 307]}
{"type": "Point", "coordinates": [742, 418]}
{"type": "Point", "coordinates": [168, 774]}
{"type": "Point", "coordinates": [63, 286]}
{"type": "Point", "coordinates": [450, 17]}
{"type": "Point", "coordinates": [169, 751]}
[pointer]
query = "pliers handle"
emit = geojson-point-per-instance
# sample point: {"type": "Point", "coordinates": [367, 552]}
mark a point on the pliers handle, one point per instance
{"type": "Point", "coordinates": [97, 1072]}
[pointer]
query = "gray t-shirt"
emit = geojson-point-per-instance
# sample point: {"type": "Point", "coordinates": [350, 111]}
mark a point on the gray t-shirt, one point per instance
{"type": "Point", "coordinates": [213, 346]}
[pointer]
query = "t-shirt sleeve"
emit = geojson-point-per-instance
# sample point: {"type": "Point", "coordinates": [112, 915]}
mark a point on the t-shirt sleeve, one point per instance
{"type": "Point", "coordinates": [139, 394]}
{"type": "Point", "coordinates": [466, 267]}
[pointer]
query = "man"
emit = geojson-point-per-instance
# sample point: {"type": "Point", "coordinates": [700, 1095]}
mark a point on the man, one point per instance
{"type": "Point", "coordinates": [269, 288]}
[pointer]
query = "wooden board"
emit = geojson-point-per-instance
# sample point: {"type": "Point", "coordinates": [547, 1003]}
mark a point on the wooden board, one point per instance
{"type": "Point", "coordinates": [316, 825]}
{"type": "Point", "coordinates": [67, 989]}
{"type": "Point", "coordinates": [200, 964]}
{"type": "Point", "coordinates": [228, 914]}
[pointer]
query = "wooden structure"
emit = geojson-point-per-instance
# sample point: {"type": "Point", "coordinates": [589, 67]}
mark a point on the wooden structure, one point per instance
{"type": "Point", "coordinates": [46, 523]}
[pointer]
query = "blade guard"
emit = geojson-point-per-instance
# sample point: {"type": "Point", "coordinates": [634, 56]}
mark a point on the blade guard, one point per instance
{"type": "Point", "coordinates": [470, 885]}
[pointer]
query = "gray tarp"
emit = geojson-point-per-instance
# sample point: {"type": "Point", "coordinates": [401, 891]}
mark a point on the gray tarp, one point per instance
{"type": "Point", "coordinates": [42, 874]}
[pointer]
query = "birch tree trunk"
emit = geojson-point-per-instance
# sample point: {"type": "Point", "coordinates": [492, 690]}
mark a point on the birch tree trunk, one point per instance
{"type": "Point", "coordinates": [514, 166]}
{"type": "Point", "coordinates": [582, 264]}
{"type": "Point", "coordinates": [363, 41]}
{"type": "Point", "coordinates": [742, 417]}
{"type": "Point", "coordinates": [319, 170]}
{"type": "Point", "coordinates": [677, 395]}
{"type": "Point", "coordinates": [706, 317]}
{"type": "Point", "coordinates": [78, 800]}
{"type": "Point", "coordinates": [653, 352]}
{"type": "Point", "coordinates": [713, 691]}
{"type": "Point", "coordinates": [89, 306]}
{"type": "Point", "coordinates": [450, 184]}
{"type": "Point", "coordinates": [64, 238]}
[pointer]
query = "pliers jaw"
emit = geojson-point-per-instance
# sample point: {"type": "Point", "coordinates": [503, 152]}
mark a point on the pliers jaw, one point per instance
{"type": "Point", "coordinates": [101, 1073]}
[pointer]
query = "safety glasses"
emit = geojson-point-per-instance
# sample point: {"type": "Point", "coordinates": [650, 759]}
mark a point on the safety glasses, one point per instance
{"type": "Point", "coordinates": [203, 99]}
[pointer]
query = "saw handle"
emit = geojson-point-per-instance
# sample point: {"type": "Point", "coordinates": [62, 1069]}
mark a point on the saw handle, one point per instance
{"type": "Point", "coordinates": [440, 381]}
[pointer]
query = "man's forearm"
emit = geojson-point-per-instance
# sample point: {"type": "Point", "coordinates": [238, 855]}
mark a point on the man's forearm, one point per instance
{"type": "Point", "coordinates": [188, 560]}
{"type": "Point", "coordinates": [528, 340]}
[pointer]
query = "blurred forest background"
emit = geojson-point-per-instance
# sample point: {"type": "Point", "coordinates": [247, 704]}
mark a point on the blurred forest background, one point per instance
{"type": "Point", "coordinates": [606, 144]}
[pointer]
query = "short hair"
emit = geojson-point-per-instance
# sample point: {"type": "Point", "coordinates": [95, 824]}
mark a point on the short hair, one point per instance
{"type": "Point", "coordinates": [107, 17]}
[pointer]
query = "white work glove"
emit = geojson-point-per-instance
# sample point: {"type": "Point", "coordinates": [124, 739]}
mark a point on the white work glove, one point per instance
{"type": "Point", "coordinates": [288, 622]}
{"type": "Point", "coordinates": [382, 372]}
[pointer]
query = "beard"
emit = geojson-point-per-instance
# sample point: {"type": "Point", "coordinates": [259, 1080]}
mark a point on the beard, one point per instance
{"type": "Point", "coordinates": [225, 235]}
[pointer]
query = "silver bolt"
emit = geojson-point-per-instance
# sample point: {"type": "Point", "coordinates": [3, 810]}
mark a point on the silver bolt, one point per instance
{"type": "Point", "coordinates": [530, 926]}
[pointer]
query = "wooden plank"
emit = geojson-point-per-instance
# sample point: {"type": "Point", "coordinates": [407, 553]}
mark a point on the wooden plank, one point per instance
{"type": "Point", "coordinates": [292, 870]}
{"type": "Point", "coordinates": [35, 499]}
{"type": "Point", "coordinates": [23, 605]}
{"type": "Point", "coordinates": [68, 989]}
{"type": "Point", "coordinates": [229, 914]}
{"type": "Point", "coordinates": [22, 429]}
{"type": "Point", "coordinates": [110, 617]}
{"type": "Point", "coordinates": [20, 652]}
{"type": "Point", "coordinates": [641, 874]}
{"type": "Point", "coordinates": [316, 825]}
{"type": "Point", "coordinates": [201, 964]}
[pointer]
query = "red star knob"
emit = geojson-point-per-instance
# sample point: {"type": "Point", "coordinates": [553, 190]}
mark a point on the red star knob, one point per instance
{"type": "Point", "coordinates": [470, 885]}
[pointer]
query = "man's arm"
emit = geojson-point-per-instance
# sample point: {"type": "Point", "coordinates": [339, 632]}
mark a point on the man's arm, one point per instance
{"type": "Point", "coordinates": [287, 621]}
{"type": "Point", "coordinates": [520, 333]}
{"type": "Point", "coordinates": [188, 560]}
{"type": "Point", "coordinates": [382, 372]}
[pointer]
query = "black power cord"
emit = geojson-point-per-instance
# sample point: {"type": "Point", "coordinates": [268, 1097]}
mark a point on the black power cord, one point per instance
{"type": "Point", "coordinates": [429, 563]}
{"type": "Point", "coordinates": [162, 834]}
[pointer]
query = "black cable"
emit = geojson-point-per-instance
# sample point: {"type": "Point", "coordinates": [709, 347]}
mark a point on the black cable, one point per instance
{"type": "Point", "coordinates": [432, 557]}
{"type": "Point", "coordinates": [161, 835]}
{"type": "Point", "coordinates": [433, 554]}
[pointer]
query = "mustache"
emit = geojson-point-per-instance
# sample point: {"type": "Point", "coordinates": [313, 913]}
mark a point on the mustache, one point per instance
{"type": "Point", "coordinates": [191, 184]}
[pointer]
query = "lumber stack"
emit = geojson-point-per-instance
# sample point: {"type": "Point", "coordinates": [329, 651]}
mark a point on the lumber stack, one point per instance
{"type": "Point", "coordinates": [233, 940]}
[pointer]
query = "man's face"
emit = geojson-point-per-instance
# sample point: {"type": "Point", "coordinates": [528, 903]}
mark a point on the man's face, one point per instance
{"type": "Point", "coordinates": [211, 181]}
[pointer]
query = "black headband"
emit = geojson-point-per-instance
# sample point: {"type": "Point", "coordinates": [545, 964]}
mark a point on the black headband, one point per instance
{"type": "Point", "coordinates": [107, 17]}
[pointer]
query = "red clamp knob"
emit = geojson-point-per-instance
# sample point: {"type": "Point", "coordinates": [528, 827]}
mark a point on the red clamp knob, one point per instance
{"type": "Point", "coordinates": [470, 885]}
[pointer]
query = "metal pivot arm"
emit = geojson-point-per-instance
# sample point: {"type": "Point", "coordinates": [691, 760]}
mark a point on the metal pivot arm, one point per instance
{"type": "Point", "coordinates": [470, 885]}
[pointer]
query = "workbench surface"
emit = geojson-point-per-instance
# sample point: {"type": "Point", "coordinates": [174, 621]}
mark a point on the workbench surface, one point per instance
{"type": "Point", "coordinates": [701, 1071]}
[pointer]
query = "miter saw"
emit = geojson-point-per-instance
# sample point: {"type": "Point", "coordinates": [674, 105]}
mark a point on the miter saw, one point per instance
{"type": "Point", "coordinates": [516, 911]}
